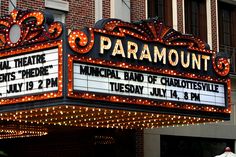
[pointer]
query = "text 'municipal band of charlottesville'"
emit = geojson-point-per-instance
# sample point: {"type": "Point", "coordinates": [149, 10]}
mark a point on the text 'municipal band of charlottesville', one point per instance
{"type": "Point", "coordinates": [131, 83]}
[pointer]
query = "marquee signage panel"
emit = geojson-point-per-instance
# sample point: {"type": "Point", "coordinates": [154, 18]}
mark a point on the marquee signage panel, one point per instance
{"type": "Point", "coordinates": [105, 80]}
{"type": "Point", "coordinates": [30, 57]}
{"type": "Point", "coordinates": [27, 74]}
{"type": "Point", "coordinates": [186, 74]}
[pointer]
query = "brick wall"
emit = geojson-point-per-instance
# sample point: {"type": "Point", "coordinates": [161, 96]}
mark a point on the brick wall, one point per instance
{"type": "Point", "coordinates": [139, 143]}
{"type": "Point", "coordinates": [82, 13]}
{"type": "Point", "coordinates": [214, 24]}
{"type": "Point", "coordinates": [138, 10]}
{"type": "Point", "coordinates": [4, 7]}
{"type": "Point", "coordinates": [28, 4]}
{"type": "Point", "coordinates": [106, 10]}
{"type": "Point", "coordinates": [180, 15]}
{"type": "Point", "coordinates": [22, 4]}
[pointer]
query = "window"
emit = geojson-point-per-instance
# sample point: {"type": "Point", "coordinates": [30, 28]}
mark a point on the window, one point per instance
{"type": "Point", "coordinates": [226, 24]}
{"type": "Point", "coordinates": [57, 15]}
{"type": "Point", "coordinates": [120, 9]}
{"type": "Point", "coordinates": [12, 5]}
{"type": "Point", "coordinates": [195, 18]}
{"type": "Point", "coordinates": [161, 9]}
{"type": "Point", "coordinates": [57, 8]}
{"type": "Point", "coordinates": [98, 10]}
{"type": "Point", "coordinates": [57, 4]}
{"type": "Point", "coordinates": [227, 31]}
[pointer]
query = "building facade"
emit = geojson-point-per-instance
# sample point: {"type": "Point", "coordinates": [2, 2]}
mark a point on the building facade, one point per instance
{"type": "Point", "coordinates": [211, 20]}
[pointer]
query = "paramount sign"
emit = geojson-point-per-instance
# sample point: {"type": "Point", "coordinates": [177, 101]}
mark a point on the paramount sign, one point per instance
{"type": "Point", "coordinates": [124, 60]}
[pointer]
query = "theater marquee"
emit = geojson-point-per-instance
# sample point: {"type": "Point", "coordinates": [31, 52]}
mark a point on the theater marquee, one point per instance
{"type": "Point", "coordinates": [30, 63]}
{"type": "Point", "coordinates": [147, 64]}
{"type": "Point", "coordinates": [113, 75]}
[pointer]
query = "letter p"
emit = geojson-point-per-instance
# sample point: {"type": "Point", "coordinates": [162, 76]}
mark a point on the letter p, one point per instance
{"type": "Point", "coordinates": [105, 44]}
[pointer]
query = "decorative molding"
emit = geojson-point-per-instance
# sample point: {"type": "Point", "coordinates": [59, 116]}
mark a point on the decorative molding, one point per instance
{"type": "Point", "coordinates": [112, 8]}
{"type": "Point", "coordinates": [98, 10]}
{"type": "Point", "coordinates": [217, 26]}
{"type": "Point", "coordinates": [34, 27]}
{"type": "Point", "coordinates": [175, 14]}
{"type": "Point", "coordinates": [146, 8]}
{"type": "Point", "coordinates": [209, 28]}
{"type": "Point", "coordinates": [180, 10]}
{"type": "Point", "coordinates": [57, 4]}
{"type": "Point", "coordinates": [183, 9]}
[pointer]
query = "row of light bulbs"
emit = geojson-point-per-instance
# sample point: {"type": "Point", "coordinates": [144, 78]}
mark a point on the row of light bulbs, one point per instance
{"type": "Point", "coordinates": [99, 118]}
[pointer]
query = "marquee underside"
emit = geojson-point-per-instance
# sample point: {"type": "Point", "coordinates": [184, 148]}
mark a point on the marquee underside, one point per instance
{"type": "Point", "coordinates": [41, 120]}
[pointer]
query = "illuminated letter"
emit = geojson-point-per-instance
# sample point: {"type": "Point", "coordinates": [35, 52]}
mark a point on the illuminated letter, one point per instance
{"type": "Point", "coordinates": [161, 56]}
{"type": "Point", "coordinates": [196, 61]}
{"type": "Point", "coordinates": [118, 49]}
{"type": "Point", "coordinates": [105, 44]}
{"type": "Point", "coordinates": [145, 53]}
{"type": "Point", "coordinates": [173, 63]}
{"type": "Point", "coordinates": [205, 58]}
{"type": "Point", "coordinates": [132, 49]}
{"type": "Point", "coordinates": [185, 65]}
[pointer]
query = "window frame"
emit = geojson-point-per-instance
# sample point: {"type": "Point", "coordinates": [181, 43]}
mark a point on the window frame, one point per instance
{"type": "Point", "coordinates": [59, 13]}
{"type": "Point", "coordinates": [200, 27]}
{"type": "Point", "coordinates": [166, 10]}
